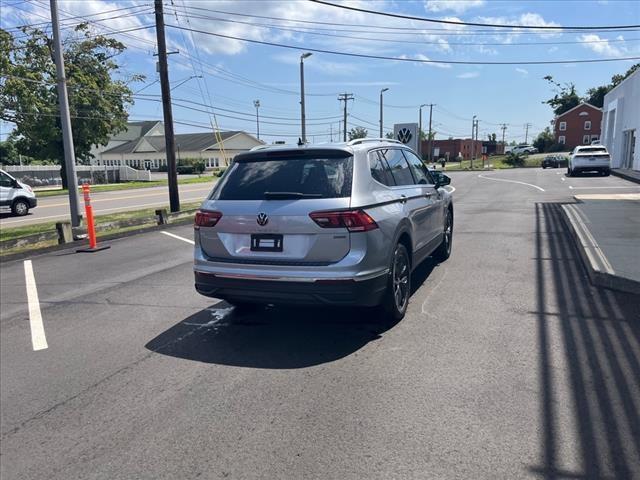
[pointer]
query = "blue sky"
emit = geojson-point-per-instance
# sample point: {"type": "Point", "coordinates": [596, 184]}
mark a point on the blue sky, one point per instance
{"type": "Point", "coordinates": [235, 73]}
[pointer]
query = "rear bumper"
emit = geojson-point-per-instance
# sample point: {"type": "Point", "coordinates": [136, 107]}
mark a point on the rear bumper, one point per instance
{"type": "Point", "coordinates": [343, 292]}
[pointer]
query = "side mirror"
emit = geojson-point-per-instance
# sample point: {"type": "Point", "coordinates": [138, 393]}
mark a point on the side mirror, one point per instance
{"type": "Point", "coordinates": [442, 180]}
{"type": "Point", "coordinates": [15, 184]}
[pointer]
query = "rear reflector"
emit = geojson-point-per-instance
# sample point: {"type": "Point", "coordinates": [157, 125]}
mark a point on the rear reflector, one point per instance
{"type": "Point", "coordinates": [354, 220]}
{"type": "Point", "coordinates": [206, 218]}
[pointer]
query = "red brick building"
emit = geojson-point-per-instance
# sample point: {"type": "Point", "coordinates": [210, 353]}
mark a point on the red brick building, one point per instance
{"type": "Point", "coordinates": [578, 126]}
{"type": "Point", "coordinates": [452, 148]}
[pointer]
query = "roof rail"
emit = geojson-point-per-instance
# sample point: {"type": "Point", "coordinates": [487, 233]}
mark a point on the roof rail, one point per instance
{"type": "Point", "coordinates": [359, 141]}
{"type": "Point", "coordinates": [260, 147]}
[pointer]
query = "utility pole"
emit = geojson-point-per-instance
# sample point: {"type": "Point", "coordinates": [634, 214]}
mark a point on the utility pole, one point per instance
{"type": "Point", "coordinates": [526, 132]}
{"type": "Point", "coordinates": [345, 97]}
{"type": "Point", "coordinates": [503, 128]}
{"type": "Point", "coordinates": [303, 118]}
{"type": "Point", "coordinates": [256, 103]}
{"type": "Point", "coordinates": [65, 119]}
{"type": "Point", "coordinates": [381, 92]}
{"type": "Point", "coordinates": [430, 139]}
{"type": "Point", "coordinates": [169, 139]}
{"type": "Point", "coordinates": [473, 127]}
{"type": "Point", "coordinates": [420, 129]}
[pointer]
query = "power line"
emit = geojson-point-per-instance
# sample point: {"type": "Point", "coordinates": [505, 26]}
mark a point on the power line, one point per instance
{"type": "Point", "coordinates": [385, 40]}
{"type": "Point", "coordinates": [471, 24]}
{"type": "Point", "coordinates": [403, 30]}
{"type": "Point", "coordinates": [401, 59]}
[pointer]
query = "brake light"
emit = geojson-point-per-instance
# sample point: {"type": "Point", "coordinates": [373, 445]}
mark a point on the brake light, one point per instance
{"type": "Point", "coordinates": [206, 218]}
{"type": "Point", "coordinates": [353, 220]}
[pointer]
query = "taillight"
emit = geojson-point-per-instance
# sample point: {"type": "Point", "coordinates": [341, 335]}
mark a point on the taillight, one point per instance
{"type": "Point", "coordinates": [205, 218]}
{"type": "Point", "coordinates": [354, 220]}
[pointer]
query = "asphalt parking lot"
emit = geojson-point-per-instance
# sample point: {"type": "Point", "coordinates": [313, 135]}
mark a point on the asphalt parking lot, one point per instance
{"type": "Point", "coordinates": [509, 363]}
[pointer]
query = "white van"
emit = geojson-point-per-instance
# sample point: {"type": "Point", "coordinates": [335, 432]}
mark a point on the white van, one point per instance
{"type": "Point", "coordinates": [589, 158]}
{"type": "Point", "coordinates": [15, 195]}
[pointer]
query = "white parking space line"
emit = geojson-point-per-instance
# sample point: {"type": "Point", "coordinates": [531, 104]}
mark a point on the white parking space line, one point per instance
{"type": "Point", "coordinates": [512, 181]}
{"type": "Point", "coordinates": [179, 237]}
{"type": "Point", "coordinates": [38, 338]}
{"type": "Point", "coordinates": [563, 179]}
{"type": "Point", "coordinates": [589, 188]}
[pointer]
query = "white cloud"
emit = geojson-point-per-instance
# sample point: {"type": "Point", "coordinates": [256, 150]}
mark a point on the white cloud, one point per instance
{"type": "Point", "coordinates": [466, 75]}
{"type": "Point", "coordinates": [318, 63]}
{"type": "Point", "coordinates": [528, 19]}
{"type": "Point", "coordinates": [522, 71]}
{"type": "Point", "coordinates": [457, 6]}
{"type": "Point", "coordinates": [600, 45]}
{"type": "Point", "coordinates": [425, 61]}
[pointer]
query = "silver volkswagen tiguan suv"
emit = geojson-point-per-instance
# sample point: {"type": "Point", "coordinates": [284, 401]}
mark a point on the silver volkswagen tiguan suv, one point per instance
{"type": "Point", "coordinates": [336, 224]}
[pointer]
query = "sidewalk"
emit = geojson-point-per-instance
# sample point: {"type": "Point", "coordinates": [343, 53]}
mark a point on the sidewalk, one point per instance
{"type": "Point", "coordinates": [607, 232]}
{"type": "Point", "coordinates": [627, 174]}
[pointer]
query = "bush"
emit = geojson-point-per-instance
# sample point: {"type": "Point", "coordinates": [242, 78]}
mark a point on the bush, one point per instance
{"type": "Point", "coordinates": [220, 172]}
{"type": "Point", "coordinates": [515, 159]}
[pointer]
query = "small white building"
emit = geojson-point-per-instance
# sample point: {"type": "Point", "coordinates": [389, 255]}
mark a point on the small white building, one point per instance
{"type": "Point", "coordinates": [621, 123]}
{"type": "Point", "coordinates": [142, 146]}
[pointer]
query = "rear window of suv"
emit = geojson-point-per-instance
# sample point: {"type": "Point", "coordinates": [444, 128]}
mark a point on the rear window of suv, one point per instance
{"type": "Point", "coordinates": [590, 150]}
{"type": "Point", "coordinates": [316, 177]}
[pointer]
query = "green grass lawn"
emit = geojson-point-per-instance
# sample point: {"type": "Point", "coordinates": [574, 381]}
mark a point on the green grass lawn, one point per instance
{"type": "Point", "coordinates": [496, 162]}
{"type": "Point", "coordinates": [17, 232]}
{"type": "Point", "coordinates": [131, 185]}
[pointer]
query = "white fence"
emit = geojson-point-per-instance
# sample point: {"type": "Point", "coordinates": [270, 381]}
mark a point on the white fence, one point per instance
{"type": "Point", "coordinates": [49, 175]}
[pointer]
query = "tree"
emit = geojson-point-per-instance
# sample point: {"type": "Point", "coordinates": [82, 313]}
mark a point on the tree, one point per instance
{"type": "Point", "coordinates": [565, 97]}
{"type": "Point", "coordinates": [492, 137]}
{"type": "Point", "coordinates": [8, 153]}
{"type": "Point", "coordinates": [595, 95]}
{"type": "Point", "coordinates": [544, 140]}
{"type": "Point", "coordinates": [28, 96]}
{"type": "Point", "coordinates": [389, 135]}
{"type": "Point", "coordinates": [357, 132]}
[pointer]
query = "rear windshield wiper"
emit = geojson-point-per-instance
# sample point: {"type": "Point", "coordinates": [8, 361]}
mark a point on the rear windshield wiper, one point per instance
{"type": "Point", "coordinates": [290, 195]}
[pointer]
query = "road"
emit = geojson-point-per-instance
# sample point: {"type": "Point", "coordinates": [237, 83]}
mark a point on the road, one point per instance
{"type": "Point", "coordinates": [509, 364]}
{"type": "Point", "coordinates": [51, 209]}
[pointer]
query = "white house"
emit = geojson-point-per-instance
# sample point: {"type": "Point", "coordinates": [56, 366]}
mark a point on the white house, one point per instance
{"type": "Point", "coordinates": [142, 145]}
{"type": "Point", "coordinates": [621, 123]}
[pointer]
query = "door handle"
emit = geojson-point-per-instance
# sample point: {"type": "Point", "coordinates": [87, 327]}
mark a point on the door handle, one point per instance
{"type": "Point", "coordinates": [428, 195]}
{"type": "Point", "coordinates": [403, 199]}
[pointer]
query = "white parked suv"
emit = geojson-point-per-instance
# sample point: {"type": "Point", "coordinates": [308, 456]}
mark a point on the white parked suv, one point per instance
{"type": "Point", "coordinates": [524, 149]}
{"type": "Point", "coordinates": [589, 158]}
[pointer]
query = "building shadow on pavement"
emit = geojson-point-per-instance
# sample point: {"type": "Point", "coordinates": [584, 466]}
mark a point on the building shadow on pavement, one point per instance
{"type": "Point", "coordinates": [275, 337]}
{"type": "Point", "coordinates": [594, 333]}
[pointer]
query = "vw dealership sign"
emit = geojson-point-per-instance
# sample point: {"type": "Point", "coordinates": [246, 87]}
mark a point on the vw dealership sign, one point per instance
{"type": "Point", "coordinates": [407, 133]}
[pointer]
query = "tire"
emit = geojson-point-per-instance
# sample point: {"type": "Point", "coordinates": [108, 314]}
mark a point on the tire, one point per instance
{"type": "Point", "coordinates": [396, 298]}
{"type": "Point", "coordinates": [606, 173]}
{"type": "Point", "coordinates": [20, 207]}
{"type": "Point", "coordinates": [568, 172]}
{"type": "Point", "coordinates": [544, 167]}
{"type": "Point", "coordinates": [443, 252]}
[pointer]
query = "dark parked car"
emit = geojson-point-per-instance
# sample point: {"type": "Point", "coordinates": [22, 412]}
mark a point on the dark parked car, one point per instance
{"type": "Point", "coordinates": [551, 161]}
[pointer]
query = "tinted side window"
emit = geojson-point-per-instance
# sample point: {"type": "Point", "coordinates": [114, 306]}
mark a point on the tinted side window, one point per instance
{"type": "Point", "coordinates": [399, 166]}
{"type": "Point", "coordinates": [418, 168]}
{"type": "Point", "coordinates": [5, 180]}
{"type": "Point", "coordinates": [380, 170]}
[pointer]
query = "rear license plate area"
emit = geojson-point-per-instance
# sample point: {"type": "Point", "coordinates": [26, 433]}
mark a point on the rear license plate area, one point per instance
{"type": "Point", "coordinates": [266, 242]}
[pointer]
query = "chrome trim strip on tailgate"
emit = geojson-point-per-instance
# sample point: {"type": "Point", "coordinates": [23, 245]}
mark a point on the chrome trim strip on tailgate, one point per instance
{"type": "Point", "coordinates": [272, 278]}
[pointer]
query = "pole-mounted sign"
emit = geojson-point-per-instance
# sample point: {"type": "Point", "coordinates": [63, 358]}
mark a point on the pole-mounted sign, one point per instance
{"type": "Point", "coordinates": [407, 133]}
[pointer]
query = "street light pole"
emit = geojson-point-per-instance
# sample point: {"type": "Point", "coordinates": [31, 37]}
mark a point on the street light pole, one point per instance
{"type": "Point", "coordinates": [256, 103]}
{"type": "Point", "coordinates": [381, 92]}
{"type": "Point", "coordinates": [302, 114]}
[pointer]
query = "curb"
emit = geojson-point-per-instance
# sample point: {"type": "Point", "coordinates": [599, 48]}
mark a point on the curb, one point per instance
{"type": "Point", "coordinates": [626, 176]}
{"type": "Point", "coordinates": [598, 267]}
{"type": "Point", "coordinates": [83, 243]}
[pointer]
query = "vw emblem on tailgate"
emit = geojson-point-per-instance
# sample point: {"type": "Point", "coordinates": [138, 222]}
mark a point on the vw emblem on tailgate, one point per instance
{"type": "Point", "coordinates": [262, 219]}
